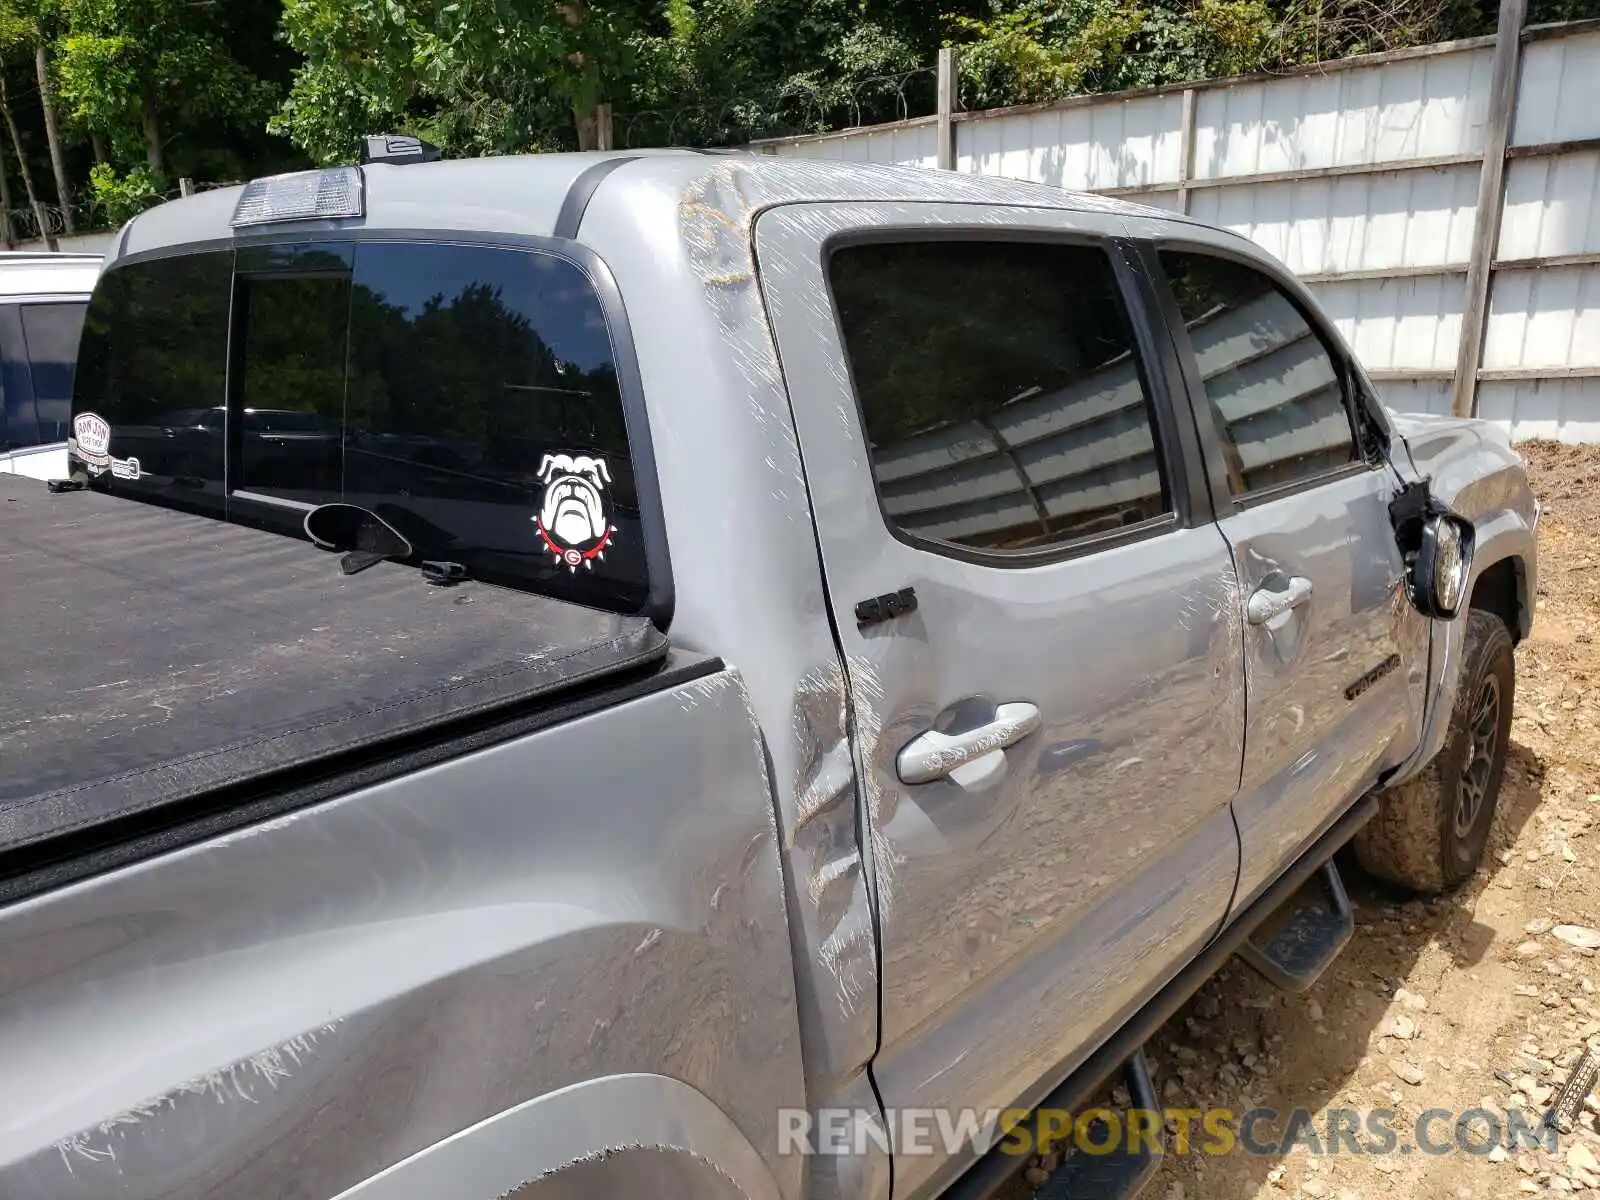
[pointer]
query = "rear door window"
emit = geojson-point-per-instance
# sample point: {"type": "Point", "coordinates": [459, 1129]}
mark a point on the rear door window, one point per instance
{"type": "Point", "coordinates": [1003, 400]}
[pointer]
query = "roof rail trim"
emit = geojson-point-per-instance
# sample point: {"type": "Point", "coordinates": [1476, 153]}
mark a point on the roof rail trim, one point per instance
{"type": "Point", "coordinates": [12, 256]}
{"type": "Point", "coordinates": [570, 219]}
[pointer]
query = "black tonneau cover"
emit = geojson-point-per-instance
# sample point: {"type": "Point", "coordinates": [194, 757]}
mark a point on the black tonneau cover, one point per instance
{"type": "Point", "coordinates": [150, 657]}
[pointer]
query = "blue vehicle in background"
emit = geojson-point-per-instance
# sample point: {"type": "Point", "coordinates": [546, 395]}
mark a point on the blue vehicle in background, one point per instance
{"type": "Point", "coordinates": [42, 301]}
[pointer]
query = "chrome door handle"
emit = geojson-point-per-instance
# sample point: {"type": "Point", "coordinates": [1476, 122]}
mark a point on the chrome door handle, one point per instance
{"type": "Point", "coordinates": [934, 755]}
{"type": "Point", "coordinates": [1265, 603]}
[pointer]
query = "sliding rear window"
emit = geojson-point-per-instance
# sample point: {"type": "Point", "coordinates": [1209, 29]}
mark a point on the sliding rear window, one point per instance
{"type": "Point", "coordinates": [468, 394]}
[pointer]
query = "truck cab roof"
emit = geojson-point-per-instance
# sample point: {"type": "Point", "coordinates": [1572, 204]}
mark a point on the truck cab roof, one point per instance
{"type": "Point", "coordinates": [529, 195]}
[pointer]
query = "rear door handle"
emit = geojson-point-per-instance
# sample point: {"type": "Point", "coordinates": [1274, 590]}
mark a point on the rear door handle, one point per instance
{"type": "Point", "coordinates": [935, 755]}
{"type": "Point", "coordinates": [1267, 602]}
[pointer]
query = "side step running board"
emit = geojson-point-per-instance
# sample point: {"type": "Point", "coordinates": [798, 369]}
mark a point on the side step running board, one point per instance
{"type": "Point", "coordinates": [995, 1169]}
{"type": "Point", "coordinates": [1308, 940]}
{"type": "Point", "coordinates": [1121, 1172]}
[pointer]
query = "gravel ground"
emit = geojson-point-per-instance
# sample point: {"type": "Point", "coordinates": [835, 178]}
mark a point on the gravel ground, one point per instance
{"type": "Point", "coordinates": [1473, 1000]}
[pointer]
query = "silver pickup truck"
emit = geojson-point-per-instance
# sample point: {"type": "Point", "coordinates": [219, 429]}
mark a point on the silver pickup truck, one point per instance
{"type": "Point", "coordinates": [626, 675]}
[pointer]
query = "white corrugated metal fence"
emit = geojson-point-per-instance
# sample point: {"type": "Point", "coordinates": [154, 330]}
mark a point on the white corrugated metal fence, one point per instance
{"type": "Point", "coordinates": [1364, 177]}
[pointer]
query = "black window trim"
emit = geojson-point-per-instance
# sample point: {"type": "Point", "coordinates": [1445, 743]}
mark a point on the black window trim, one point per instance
{"type": "Point", "coordinates": [659, 600]}
{"type": "Point", "coordinates": [1368, 458]}
{"type": "Point", "coordinates": [1178, 460]}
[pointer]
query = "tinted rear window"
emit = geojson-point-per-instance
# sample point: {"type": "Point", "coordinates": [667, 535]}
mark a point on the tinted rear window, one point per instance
{"type": "Point", "coordinates": [467, 394]}
{"type": "Point", "coordinates": [153, 360]}
{"type": "Point", "coordinates": [481, 382]}
{"type": "Point", "coordinates": [294, 318]}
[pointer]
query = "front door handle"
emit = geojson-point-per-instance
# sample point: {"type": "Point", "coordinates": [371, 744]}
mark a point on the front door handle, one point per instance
{"type": "Point", "coordinates": [1267, 602]}
{"type": "Point", "coordinates": [935, 755]}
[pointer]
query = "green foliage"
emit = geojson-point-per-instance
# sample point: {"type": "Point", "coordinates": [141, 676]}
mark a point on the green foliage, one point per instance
{"type": "Point", "coordinates": [122, 58]}
{"type": "Point", "coordinates": [1542, 12]}
{"type": "Point", "coordinates": [1048, 49]}
{"type": "Point", "coordinates": [359, 74]}
{"type": "Point", "coordinates": [490, 76]}
{"type": "Point", "coordinates": [120, 197]}
{"type": "Point", "coordinates": [726, 71]}
{"type": "Point", "coordinates": [478, 76]}
{"type": "Point", "coordinates": [227, 89]}
{"type": "Point", "coordinates": [1042, 49]}
{"type": "Point", "coordinates": [1315, 30]}
{"type": "Point", "coordinates": [23, 22]}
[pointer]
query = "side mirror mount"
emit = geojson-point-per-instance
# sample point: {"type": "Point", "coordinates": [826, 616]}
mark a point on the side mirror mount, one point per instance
{"type": "Point", "coordinates": [1437, 545]}
{"type": "Point", "coordinates": [363, 537]}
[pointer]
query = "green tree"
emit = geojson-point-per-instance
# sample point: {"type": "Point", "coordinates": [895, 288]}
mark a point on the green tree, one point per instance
{"type": "Point", "coordinates": [28, 29]}
{"type": "Point", "coordinates": [143, 75]}
{"type": "Point", "coordinates": [725, 71]}
{"type": "Point", "coordinates": [477, 76]}
{"type": "Point", "coordinates": [17, 29]}
{"type": "Point", "coordinates": [1050, 49]}
{"type": "Point", "coordinates": [490, 76]}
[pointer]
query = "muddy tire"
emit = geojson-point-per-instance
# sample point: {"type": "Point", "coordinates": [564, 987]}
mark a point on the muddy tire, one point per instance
{"type": "Point", "coordinates": [1431, 831]}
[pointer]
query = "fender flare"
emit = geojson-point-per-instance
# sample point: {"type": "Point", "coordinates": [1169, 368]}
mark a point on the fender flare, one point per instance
{"type": "Point", "coordinates": [583, 1125]}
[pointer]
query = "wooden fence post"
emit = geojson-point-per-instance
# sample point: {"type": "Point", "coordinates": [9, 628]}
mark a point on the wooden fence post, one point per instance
{"type": "Point", "coordinates": [946, 160]}
{"type": "Point", "coordinates": [1503, 86]}
{"type": "Point", "coordinates": [1185, 149]}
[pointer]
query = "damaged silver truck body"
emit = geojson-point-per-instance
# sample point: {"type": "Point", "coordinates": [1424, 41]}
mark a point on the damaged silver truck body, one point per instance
{"type": "Point", "coordinates": [545, 669]}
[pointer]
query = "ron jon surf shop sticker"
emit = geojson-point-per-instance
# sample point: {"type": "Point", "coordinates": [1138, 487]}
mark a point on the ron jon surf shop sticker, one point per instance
{"type": "Point", "coordinates": [92, 433]}
{"type": "Point", "coordinates": [572, 521]}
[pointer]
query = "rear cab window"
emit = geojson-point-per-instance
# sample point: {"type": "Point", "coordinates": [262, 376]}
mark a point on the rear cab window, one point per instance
{"type": "Point", "coordinates": [468, 394]}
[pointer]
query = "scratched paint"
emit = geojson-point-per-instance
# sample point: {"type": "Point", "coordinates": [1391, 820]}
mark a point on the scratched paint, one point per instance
{"type": "Point", "coordinates": [447, 951]}
{"type": "Point", "coordinates": [824, 844]}
{"type": "Point", "coordinates": [715, 215]}
{"type": "Point", "coordinates": [247, 1081]}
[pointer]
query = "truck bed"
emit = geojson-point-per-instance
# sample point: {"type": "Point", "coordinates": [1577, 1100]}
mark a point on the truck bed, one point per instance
{"type": "Point", "coordinates": [157, 667]}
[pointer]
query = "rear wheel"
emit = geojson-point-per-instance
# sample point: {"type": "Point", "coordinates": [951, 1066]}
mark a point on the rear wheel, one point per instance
{"type": "Point", "coordinates": [1431, 831]}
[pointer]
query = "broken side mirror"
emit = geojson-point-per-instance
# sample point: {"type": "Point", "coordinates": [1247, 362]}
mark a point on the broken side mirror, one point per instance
{"type": "Point", "coordinates": [1437, 546]}
{"type": "Point", "coordinates": [1438, 576]}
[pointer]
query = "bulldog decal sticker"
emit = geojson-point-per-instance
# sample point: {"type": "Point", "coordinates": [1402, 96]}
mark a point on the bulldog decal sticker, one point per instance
{"type": "Point", "coordinates": [572, 519]}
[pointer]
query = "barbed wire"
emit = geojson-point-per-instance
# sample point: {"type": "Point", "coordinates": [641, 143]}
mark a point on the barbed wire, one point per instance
{"type": "Point", "coordinates": [25, 221]}
{"type": "Point", "coordinates": [88, 217]}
